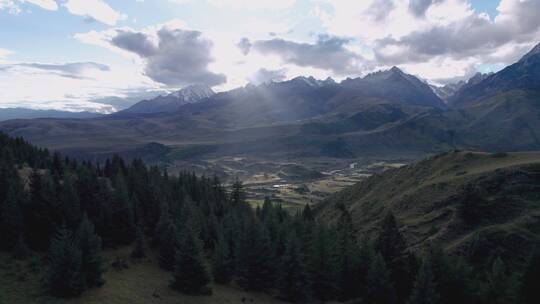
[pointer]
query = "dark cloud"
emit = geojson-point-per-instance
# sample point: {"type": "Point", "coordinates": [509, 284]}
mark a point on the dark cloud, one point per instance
{"type": "Point", "coordinates": [181, 57]}
{"type": "Point", "coordinates": [244, 45]}
{"type": "Point", "coordinates": [328, 53]}
{"type": "Point", "coordinates": [471, 36]}
{"type": "Point", "coordinates": [137, 43]}
{"type": "Point", "coordinates": [379, 10]}
{"type": "Point", "coordinates": [69, 70]}
{"type": "Point", "coordinates": [263, 76]}
{"type": "Point", "coordinates": [419, 7]}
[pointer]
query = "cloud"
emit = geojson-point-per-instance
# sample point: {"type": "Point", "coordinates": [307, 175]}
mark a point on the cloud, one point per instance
{"type": "Point", "coordinates": [12, 6]}
{"type": "Point", "coordinates": [45, 4]}
{"type": "Point", "coordinates": [263, 76]}
{"type": "Point", "coordinates": [244, 45]}
{"type": "Point", "coordinates": [171, 55]}
{"type": "Point", "coordinates": [246, 4]}
{"type": "Point", "coordinates": [94, 10]}
{"type": "Point", "coordinates": [472, 36]}
{"type": "Point", "coordinates": [76, 70]}
{"type": "Point", "coordinates": [4, 53]}
{"type": "Point", "coordinates": [327, 53]}
{"type": "Point", "coordinates": [419, 7]}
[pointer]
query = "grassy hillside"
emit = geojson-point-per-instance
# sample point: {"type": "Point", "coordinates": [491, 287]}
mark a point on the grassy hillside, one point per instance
{"type": "Point", "coordinates": [143, 282]}
{"type": "Point", "coordinates": [471, 203]}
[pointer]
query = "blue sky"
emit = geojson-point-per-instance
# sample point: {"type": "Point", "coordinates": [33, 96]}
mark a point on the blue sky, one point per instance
{"type": "Point", "coordinates": [73, 54]}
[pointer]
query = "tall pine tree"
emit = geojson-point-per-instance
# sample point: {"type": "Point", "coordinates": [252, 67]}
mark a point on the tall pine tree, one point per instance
{"type": "Point", "coordinates": [91, 259]}
{"type": "Point", "coordinates": [293, 278]}
{"type": "Point", "coordinates": [64, 276]}
{"type": "Point", "coordinates": [191, 274]}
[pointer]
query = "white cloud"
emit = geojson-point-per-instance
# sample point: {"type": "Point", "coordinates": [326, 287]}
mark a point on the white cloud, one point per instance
{"type": "Point", "coordinates": [4, 53]}
{"type": "Point", "coordinates": [45, 4]}
{"type": "Point", "coordinates": [10, 6]}
{"type": "Point", "coordinates": [94, 9]}
{"type": "Point", "coordinates": [246, 4]}
{"type": "Point", "coordinates": [251, 4]}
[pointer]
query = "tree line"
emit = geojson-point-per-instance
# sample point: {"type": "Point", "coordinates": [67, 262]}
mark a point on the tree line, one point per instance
{"type": "Point", "coordinates": [203, 233]}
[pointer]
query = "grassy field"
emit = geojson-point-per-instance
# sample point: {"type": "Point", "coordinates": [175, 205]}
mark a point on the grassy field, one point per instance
{"type": "Point", "coordinates": [143, 282]}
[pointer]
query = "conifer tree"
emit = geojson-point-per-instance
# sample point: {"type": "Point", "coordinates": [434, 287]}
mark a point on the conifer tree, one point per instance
{"type": "Point", "coordinates": [392, 246]}
{"type": "Point", "coordinates": [64, 277]}
{"type": "Point", "coordinates": [255, 261]}
{"type": "Point", "coordinates": [123, 218]}
{"type": "Point", "coordinates": [380, 289]}
{"type": "Point", "coordinates": [91, 259]}
{"type": "Point", "coordinates": [346, 259]}
{"type": "Point", "coordinates": [70, 203]}
{"type": "Point", "coordinates": [293, 280]}
{"type": "Point", "coordinates": [11, 223]}
{"type": "Point", "coordinates": [321, 265]}
{"type": "Point", "coordinates": [222, 263]}
{"type": "Point", "coordinates": [168, 241]}
{"type": "Point", "coordinates": [425, 291]}
{"type": "Point", "coordinates": [191, 274]}
{"type": "Point", "coordinates": [237, 194]}
{"type": "Point", "coordinates": [139, 251]}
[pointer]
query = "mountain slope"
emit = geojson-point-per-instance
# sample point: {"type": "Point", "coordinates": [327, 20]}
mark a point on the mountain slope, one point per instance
{"type": "Point", "coordinates": [524, 75]}
{"type": "Point", "coordinates": [173, 101]}
{"type": "Point", "coordinates": [465, 201]}
{"type": "Point", "coordinates": [395, 85]}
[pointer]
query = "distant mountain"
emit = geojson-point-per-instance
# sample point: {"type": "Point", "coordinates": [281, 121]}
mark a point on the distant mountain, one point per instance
{"type": "Point", "coordinates": [24, 113]}
{"type": "Point", "coordinates": [395, 85]}
{"type": "Point", "coordinates": [446, 92]}
{"type": "Point", "coordinates": [522, 75]}
{"type": "Point", "coordinates": [173, 101]}
{"type": "Point", "coordinates": [385, 114]}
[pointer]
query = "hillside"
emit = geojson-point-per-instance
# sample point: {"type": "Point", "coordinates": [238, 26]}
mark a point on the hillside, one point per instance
{"type": "Point", "coordinates": [471, 203]}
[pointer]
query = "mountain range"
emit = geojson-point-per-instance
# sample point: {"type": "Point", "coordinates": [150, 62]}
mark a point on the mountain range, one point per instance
{"type": "Point", "coordinates": [384, 113]}
{"type": "Point", "coordinates": [24, 113]}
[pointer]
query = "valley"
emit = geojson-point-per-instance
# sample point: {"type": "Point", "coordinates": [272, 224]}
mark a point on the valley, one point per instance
{"type": "Point", "coordinates": [294, 182]}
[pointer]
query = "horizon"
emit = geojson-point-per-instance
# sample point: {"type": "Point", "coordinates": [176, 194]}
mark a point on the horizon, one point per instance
{"type": "Point", "coordinates": [90, 53]}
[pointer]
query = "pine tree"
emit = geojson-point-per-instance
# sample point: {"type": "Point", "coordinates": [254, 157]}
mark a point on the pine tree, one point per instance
{"type": "Point", "coordinates": [380, 289]}
{"type": "Point", "coordinates": [123, 219]}
{"type": "Point", "coordinates": [168, 241]}
{"type": "Point", "coordinates": [237, 194]}
{"type": "Point", "coordinates": [191, 274]}
{"type": "Point", "coordinates": [425, 291]}
{"type": "Point", "coordinates": [293, 280]}
{"type": "Point", "coordinates": [392, 246]}
{"type": "Point", "coordinates": [64, 277]}
{"type": "Point", "coordinates": [70, 203]}
{"type": "Point", "coordinates": [11, 224]}
{"type": "Point", "coordinates": [530, 291]}
{"type": "Point", "coordinates": [307, 213]}
{"type": "Point", "coordinates": [222, 263]}
{"type": "Point", "coordinates": [139, 251]}
{"type": "Point", "coordinates": [346, 260]}
{"type": "Point", "coordinates": [255, 261]}
{"type": "Point", "coordinates": [321, 265]}
{"type": "Point", "coordinates": [91, 260]}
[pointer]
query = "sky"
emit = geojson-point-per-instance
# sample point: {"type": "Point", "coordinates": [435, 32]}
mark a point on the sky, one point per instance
{"type": "Point", "coordinates": [92, 54]}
